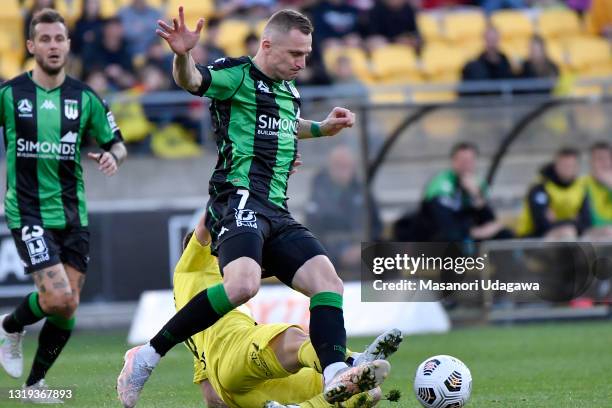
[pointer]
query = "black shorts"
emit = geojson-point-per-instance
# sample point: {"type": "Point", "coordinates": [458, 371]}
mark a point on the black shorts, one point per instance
{"type": "Point", "coordinates": [40, 248]}
{"type": "Point", "coordinates": [244, 224]}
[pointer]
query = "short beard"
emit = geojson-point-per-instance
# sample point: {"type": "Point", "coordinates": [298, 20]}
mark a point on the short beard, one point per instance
{"type": "Point", "coordinates": [47, 69]}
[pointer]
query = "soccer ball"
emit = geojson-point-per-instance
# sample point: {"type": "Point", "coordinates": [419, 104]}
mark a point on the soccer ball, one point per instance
{"type": "Point", "coordinates": [443, 382]}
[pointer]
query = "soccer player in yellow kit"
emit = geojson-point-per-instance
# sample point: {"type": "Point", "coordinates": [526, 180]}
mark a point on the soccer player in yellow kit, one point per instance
{"type": "Point", "coordinates": [266, 362]}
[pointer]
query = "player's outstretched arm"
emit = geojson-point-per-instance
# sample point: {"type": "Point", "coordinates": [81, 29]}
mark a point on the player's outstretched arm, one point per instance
{"type": "Point", "coordinates": [338, 119]}
{"type": "Point", "coordinates": [181, 40]}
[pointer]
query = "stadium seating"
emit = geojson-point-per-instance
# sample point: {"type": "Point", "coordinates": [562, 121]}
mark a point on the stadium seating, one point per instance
{"type": "Point", "coordinates": [516, 50]}
{"type": "Point", "coordinates": [395, 64]}
{"type": "Point", "coordinates": [442, 63]}
{"type": "Point", "coordinates": [194, 9]}
{"type": "Point", "coordinates": [559, 24]}
{"type": "Point", "coordinates": [590, 57]}
{"type": "Point", "coordinates": [512, 25]}
{"type": "Point", "coordinates": [232, 34]}
{"type": "Point", "coordinates": [429, 28]}
{"type": "Point", "coordinates": [463, 27]}
{"type": "Point", "coordinates": [357, 56]}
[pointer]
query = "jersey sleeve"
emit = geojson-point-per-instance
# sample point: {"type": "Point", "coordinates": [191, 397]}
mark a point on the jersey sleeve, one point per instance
{"type": "Point", "coordinates": [221, 79]}
{"type": "Point", "coordinates": [102, 125]}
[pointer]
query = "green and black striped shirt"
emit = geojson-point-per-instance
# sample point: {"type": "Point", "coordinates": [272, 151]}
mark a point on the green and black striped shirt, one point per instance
{"type": "Point", "coordinates": [255, 120]}
{"type": "Point", "coordinates": [43, 133]}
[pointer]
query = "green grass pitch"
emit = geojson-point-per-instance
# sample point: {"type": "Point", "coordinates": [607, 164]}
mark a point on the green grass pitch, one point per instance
{"type": "Point", "coordinates": [536, 366]}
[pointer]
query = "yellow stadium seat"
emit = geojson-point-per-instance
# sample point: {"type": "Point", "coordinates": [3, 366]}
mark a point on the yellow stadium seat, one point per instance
{"type": "Point", "coordinates": [472, 49]}
{"type": "Point", "coordinates": [259, 27]}
{"type": "Point", "coordinates": [109, 8]}
{"type": "Point", "coordinates": [359, 61]}
{"type": "Point", "coordinates": [516, 49]}
{"type": "Point", "coordinates": [11, 37]}
{"type": "Point", "coordinates": [558, 54]}
{"type": "Point", "coordinates": [194, 9]}
{"type": "Point", "coordinates": [231, 36]}
{"type": "Point", "coordinates": [512, 25]}
{"type": "Point", "coordinates": [441, 63]}
{"type": "Point", "coordinates": [559, 23]}
{"type": "Point", "coordinates": [461, 27]}
{"type": "Point", "coordinates": [434, 96]}
{"type": "Point", "coordinates": [10, 10]}
{"type": "Point", "coordinates": [10, 65]}
{"type": "Point", "coordinates": [429, 28]}
{"type": "Point", "coordinates": [590, 57]}
{"type": "Point", "coordinates": [395, 64]}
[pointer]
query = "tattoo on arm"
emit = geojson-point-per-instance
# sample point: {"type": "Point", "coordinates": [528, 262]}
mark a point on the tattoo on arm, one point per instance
{"type": "Point", "coordinates": [60, 285]}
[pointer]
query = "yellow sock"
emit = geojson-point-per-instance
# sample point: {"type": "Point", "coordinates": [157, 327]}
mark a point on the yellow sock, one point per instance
{"type": "Point", "coordinates": [307, 356]}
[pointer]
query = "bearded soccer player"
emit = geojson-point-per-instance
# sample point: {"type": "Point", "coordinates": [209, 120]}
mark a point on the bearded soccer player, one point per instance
{"type": "Point", "coordinates": [45, 115]}
{"type": "Point", "coordinates": [238, 363]}
{"type": "Point", "coordinates": [256, 114]}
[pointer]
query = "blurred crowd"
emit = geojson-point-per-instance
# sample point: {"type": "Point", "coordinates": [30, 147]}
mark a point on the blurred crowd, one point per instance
{"type": "Point", "coordinates": [120, 52]}
{"type": "Point", "coordinates": [561, 204]}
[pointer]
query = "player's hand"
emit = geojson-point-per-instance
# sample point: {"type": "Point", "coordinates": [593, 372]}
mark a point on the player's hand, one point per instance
{"type": "Point", "coordinates": [296, 163]}
{"type": "Point", "coordinates": [178, 36]}
{"type": "Point", "coordinates": [106, 162]}
{"type": "Point", "coordinates": [338, 119]}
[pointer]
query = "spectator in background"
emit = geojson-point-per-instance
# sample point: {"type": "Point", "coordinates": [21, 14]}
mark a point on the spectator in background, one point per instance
{"type": "Point", "coordinates": [334, 21]}
{"type": "Point", "coordinates": [213, 52]}
{"type": "Point", "coordinates": [343, 72]}
{"type": "Point", "coordinates": [392, 21]}
{"type": "Point", "coordinates": [88, 29]}
{"type": "Point", "coordinates": [455, 206]}
{"type": "Point", "coordinates": [599, 190]}
{"type": "Point", "coordinates": [538, 65]}
{"type": "Point", "coordinates": [433, 4]}
{"type": "Point", "coordinates": [492, 64]}
{"type": "Point", "coordinates": [158, 56]}
{"type": "Point", "coordinates": [601, 18]}
{"type": "Point", "coordinates": [139, 22]}
{"type": "Point", "coordinates": [491, 6]}
{"type": "Point", "coordinates": [112, 56]}
{"type": "Point", "coordinates": [336, 210]}
{"type": "Point", "coordinates": [251, 43]}
{"type": "Point", "coordinates": [97, 81]}
{"type": "Point", "coordinates": [557, 205]}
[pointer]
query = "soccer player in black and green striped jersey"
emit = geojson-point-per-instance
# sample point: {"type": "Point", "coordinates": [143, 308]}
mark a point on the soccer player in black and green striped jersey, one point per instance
{"type": "Point", "coordinates": [45, 115]}
{"type": "Point", "coordinates": [256, 118]}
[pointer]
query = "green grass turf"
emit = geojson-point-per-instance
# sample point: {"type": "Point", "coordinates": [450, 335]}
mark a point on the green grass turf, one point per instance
{"type": "Point", "coordinates": [551, 365]}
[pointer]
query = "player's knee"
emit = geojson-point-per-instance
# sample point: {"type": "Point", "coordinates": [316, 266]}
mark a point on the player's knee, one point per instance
{"type": "Point", "coordinates": [242, 279]}
{"type": "Point", "coordinates": [318, 275]}
{"type": "Point", "coordinates": [240, 294]}
{"type": "Point", "coordinates": [60, 304]}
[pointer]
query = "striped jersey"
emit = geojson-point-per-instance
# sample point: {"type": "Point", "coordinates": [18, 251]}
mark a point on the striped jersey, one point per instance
{"type": "Point", "coordinates": [43, 133]}
{"type": "Point", "coordinates": [255, 121]}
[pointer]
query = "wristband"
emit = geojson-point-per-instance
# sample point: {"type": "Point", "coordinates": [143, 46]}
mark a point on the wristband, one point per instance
{"type": "Point", "coordinates": [315, 129]}
{"type": "Point", "coordinates": [114, 157]}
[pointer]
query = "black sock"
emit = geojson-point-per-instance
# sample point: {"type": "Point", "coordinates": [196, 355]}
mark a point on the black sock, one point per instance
{"type": "Point", "coordinates": [327, 334]}
{"type": "Point", "coordinates": [195, 316]}
{"type": "Point", "coordinates": [51, 342]}
{"type": "Point", "coordinates": [28, 312]}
